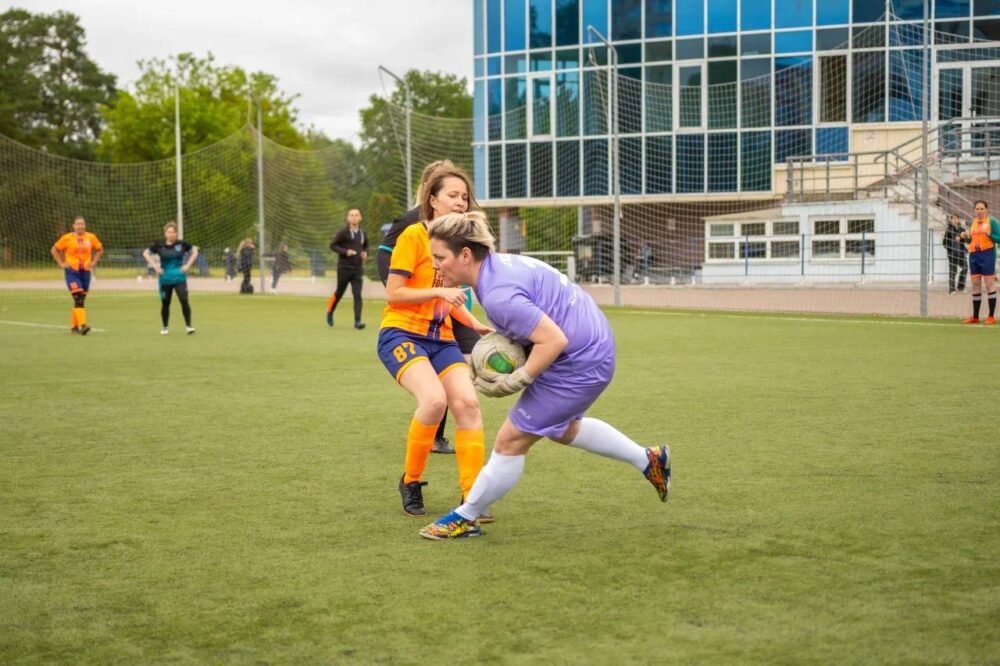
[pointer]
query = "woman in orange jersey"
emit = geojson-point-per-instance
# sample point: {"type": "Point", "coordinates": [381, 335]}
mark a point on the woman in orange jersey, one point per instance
{"type": "Point", "coordinates": [417, 346]}
{"type": "Point", "coordinates": [983, 236]}
{"type": "Point", "coordinates": [77, 253]}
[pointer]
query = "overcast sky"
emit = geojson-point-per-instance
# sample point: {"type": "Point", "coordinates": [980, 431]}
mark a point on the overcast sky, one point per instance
{"type": "Point", "coordinates": [325, 51]}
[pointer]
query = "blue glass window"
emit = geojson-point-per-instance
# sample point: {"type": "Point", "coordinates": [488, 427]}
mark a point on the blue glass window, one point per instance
{"type": "Point", "coordinates": [951, 32]}
{"type": "Point", "coordinates": [659, 104]}
{"type": "Point", "coordinates": [567, 22]}
{"type": "Point", "coordinates": [755, 161]}
{"type": "Point", "coordinates": [479, 170]}
{"type": "Point", "coordinates": [721, 15]}
{"type": "Point", "coordinates": [540, 17]}
{"type": "Point", "coordinates": [722, 47]}
{"type": "Point", "coordinates": [906, 83]}
{"type": "Point", "coordinates": [595, 13]}
{"type": "Point", "coordinates": [514, 27]}
{"type": "Point", "coordinates": [690, 163]}
{"type": "Point", "coordinates": [626, 19]}
{"type": "Point", "coordinates": [567, 169]}
{"type": "Point", "coordinates": [477, 27]}
{"type": "Point", "coordinates": [951, 8]}
{"type": "Point", "coordinates": [629, 54]}
{"type": "Point", "coordinates": [659, 18]}
{"type": "Point", "coordinates": [493, 26]}
{"type": "Point", "coordinates": [689, 113]}
{"type": "Point", "coordinates": [986, 8]}
{"type": "Point", "coordinates": [496, 171]}
{"type": "Point", "coordinates": [595, 167]}
{"type": "Point", "coordinates": [690, 49]}
{"type": "Point", "coordinates": [833, 89]}
{"type": "Point", "coordinates": [517, 170]}
{"type": "Point", "coordinates": [659, 164]}
{"type": "Point", "coordinates": [868, 36]}
{"type": "Point", "coordinates": [479, 112]}
{"type": "Point", "coordinates": [832, 12]}
{"type": "Point", "coordinates": [722, 150]}
{"type": "Point", "coordinates": [494, 65]}
{"type": "Point", "coordinates": [831, 141]}
{"type": "Point", "coordinates": [659, 51]}
{"type": "Point", "coordinates": [691, 17]}
{"type": "Point", "coordinates": [595, 103]}
{"type": "Point", "coordinates": [631, 168]}
{"type": "Point", "coordinates": [541, 169]}
{"type": "Point", "coordinates": [478, 67]}
{"type": "Point", "coordinates": [793, 13]}
{"type": "Point", "coordinates": [868, 11]}
{"type": "Point", "coordinates": [515, 103]}
{"type": "Point", "coordinates": [792, 91]}
{"type": "Point", "coordinates": [868, 104]}
{"type": "Point", "coordinates": [568, 59]}
{"type": "Point", "coordinates": [989, 30]}
{"type": "Point", "coordinates": [755, 44]}
{"type": "Point", "coordinates": [568, 104]}
{"type": "Point", "coordinates": [494, 99]}
{"type": "Point", "coordinates": [906, 34]}
{"type": "Point", "coordinates": [630, 100]}
{"type": "Point", "coordinates": [755, 15]}
{"type": "Point", "coordinates": [832, 38]}
{"type": "Point", "coordinates": [908, 10]}
{"type": "Point", "coordinates": [798, 41]}
{"type": "Point", "coordinates": [755, 96]}
{"type": "Point", "coordinates": [722, 94]}
{"type": "Point", "coordinates": [792, 143]}
{"type": "Point", "coordinates": [541, 62]}
{"type": "Point", "coordinates": [515, 64]}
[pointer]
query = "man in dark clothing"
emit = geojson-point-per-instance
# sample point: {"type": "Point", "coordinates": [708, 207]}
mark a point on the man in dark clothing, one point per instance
{"type": "Point", "coordinates": [351, 243]}
{"type": "Point", "coordinates": [958, 257]}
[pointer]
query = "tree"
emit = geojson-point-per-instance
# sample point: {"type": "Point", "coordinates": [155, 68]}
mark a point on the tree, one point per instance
{"type": "Point", "coordinates": [215, 102]}
{"type": "Point", "coordinates": [437, 99]}
{"type": "Point", "coordinates": [50, 89]}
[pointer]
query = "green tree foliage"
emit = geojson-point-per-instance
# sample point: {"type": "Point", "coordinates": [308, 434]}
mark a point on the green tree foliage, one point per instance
{"type": "Point", "coordinates": [215, 102]}
{"type": "Point", "coordinates": [50, 89]}
{"type": "Point", "coordinates": [434, 95]}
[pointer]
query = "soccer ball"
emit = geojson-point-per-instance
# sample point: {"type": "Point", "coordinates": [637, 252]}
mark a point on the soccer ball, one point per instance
{"type": "Point", "coordinates": [496, 354]}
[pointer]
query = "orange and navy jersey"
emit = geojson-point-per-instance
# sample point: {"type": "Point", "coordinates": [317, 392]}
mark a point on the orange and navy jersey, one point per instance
{"type": "Point", "coordinates": [78, 250]}
{"type": "Point", "coordinates": [980, 234]}
{"type": "Point", "coordinates": [411, 259]}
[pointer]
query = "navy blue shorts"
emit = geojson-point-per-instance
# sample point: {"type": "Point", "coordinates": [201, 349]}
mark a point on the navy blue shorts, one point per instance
{"type": "Point", "coordinates": [983, 262]}
{"type": "Point", "coordinates": [398, 349]}
{"type": "Point", "coordinates": [77, 280]}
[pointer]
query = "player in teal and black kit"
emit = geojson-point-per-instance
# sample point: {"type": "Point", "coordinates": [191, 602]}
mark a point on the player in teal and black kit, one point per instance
{"type": "Point", "coordinates": [173, 273]}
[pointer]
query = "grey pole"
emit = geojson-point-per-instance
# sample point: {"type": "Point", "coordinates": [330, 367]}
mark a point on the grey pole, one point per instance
{"type": "Point", "coordinates": [260, 194]}
{"type": "Point", "coordinates": [409, 112]}
{"type": "Point", "coordinates": [615, 164]}
{"type": "Point", "coordinates": [924, 176]}
{"type": "Point", "coordinates": [177, 150]}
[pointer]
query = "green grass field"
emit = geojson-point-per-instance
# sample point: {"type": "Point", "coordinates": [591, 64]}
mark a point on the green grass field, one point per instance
{"type": "Point", "coordinates": [231, 497]}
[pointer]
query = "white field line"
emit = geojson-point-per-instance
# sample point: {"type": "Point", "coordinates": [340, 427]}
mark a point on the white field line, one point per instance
{"type": "Point", "coordinates": [778, 317]}
{"type": "Point", "coordinates": [36, 325]}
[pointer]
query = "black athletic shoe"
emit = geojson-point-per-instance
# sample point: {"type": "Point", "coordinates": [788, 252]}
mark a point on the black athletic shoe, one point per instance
{"type": "Point", "coordinates": [75, 330]}
{"type": "Point", "coordinates": [359, 325]}
{"type": "Point", "coordinates": [329, 318]}
{"type": "Point", "coordinates": [413, 497]}
{"type": "Point", "coordinates": [442, 445]}
{"type": "Point", "coordinates": [84, 329]}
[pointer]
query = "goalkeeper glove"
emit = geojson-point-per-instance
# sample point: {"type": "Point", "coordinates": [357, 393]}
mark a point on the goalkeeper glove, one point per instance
{"type": "Point", "coordinates": [502, 385]}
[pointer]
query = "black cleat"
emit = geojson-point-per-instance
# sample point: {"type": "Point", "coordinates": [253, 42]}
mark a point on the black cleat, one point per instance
{"type": "Point", "coordinates": [442, 445]}
{"type": "Point", "coordinates": [84, 329]}
{"type": "Point", "coordinates": [329, 318]}
{"type": "Point", "coordinates": [359, 325]}
{"type": "Point", "coordinates": [413, 497]}
{"type": "Point", "coordinates": [75, 330]}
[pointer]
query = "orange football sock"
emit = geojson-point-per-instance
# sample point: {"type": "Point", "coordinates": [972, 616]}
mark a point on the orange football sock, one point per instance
{"type": "Point", "coordinates": [73, 321]}
{"type": "Point", "coordinates": [469, 454]}
{"type": "Point", "coordinates": [419, 441]}
{"type": "Point", "coordinates": [332, 302]}
{"type": "Point", "coordinates": [81, 316]}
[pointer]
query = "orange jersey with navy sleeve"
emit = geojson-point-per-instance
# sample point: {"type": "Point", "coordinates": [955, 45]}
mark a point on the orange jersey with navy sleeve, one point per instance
{"type": "Point", "coordinates": [411, 259]}
{"type": "Point", "coordinates": [78, 250]}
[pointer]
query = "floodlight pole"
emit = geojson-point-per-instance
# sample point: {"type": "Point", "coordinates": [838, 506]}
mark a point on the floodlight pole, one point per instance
{"type": "Point", "coordinates": [260, 191]}
{"type": "Point", "coordinates": [409, 112]}
{"type": "Point", "coordinates": [615, 165]}
{"type": "Point", "coordinates": [924, 177]}
{"type": "Point", "coordinates": [177, 150]}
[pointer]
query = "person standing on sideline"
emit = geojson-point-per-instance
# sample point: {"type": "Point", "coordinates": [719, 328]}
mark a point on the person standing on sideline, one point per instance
{"type": "Point", "coordinates": [282, 265]}
{"type": "Point", "coordinates": [77, 253]}
{"type": "Point", "coordinates": [983, 236]}
{"type": "Point", "coordinates": [172, 269]}
{"type": "Point", "coordinates": [570, 365]}
{"type": "Point", "coordinates": [230, 261]}
{"type": "Point", "coordinates": [351, 243]}
{"type": "Point", "coordinates": [958, 258]}
{"type": "Point", "coordinates": [245, 254]}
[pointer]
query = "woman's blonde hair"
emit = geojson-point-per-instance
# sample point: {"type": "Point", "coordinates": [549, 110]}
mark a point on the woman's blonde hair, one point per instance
{"type": "Point", "coordinates": [435, 183]}
{"type": "Point", "coordinates": [426, 174]}
{"type": "Point", "coordinates": [170, 225]}
{"type": "Point", "coordinates": [458, 230]}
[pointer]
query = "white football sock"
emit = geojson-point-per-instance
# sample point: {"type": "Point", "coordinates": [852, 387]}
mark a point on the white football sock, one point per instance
{"type": "Point", "coordinates": [494, 481]}
{"type": "Point", "coordinates": [602, 438]}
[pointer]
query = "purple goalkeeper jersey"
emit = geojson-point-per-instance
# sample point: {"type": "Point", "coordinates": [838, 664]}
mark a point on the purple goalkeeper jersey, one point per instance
{"type": "Point", "coordinates": [516, 291]}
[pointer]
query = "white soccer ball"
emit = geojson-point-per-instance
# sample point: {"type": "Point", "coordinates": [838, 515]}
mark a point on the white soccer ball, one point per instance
{"type": "Point", "coordinates": [495, 354]}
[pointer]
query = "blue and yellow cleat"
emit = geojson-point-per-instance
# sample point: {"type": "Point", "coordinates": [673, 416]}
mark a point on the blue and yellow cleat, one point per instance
{"type": "Point", "coordinates": [451, 526]}
{"type": "Point", "coordinates": [658, 470]}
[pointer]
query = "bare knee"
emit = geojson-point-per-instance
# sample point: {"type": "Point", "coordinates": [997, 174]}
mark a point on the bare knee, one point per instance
{"type": "Point", "coordinates": [465, 409]}
{"type": "Point", "coordinates": [432, 404]}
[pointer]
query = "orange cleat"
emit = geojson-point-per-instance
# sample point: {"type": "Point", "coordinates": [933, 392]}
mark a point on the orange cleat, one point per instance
{"type": "Point", "coordinates": [971, 320]}
{"type": "Point", "coordinates": [990, 321]}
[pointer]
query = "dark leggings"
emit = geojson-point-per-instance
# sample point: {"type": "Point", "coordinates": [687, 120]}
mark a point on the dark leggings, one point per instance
{"type": "Point", "coordinates": [166, 293]}
{"type": "Point", "coordinates": [349, 276]}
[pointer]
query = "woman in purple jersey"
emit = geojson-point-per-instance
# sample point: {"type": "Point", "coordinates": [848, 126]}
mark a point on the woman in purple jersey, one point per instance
{"type": "Point", "coordinates": [571, 362]}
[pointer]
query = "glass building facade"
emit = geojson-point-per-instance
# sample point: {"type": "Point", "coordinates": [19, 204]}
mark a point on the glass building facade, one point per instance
{"type": "Point", "coordinates": [712, 93]}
